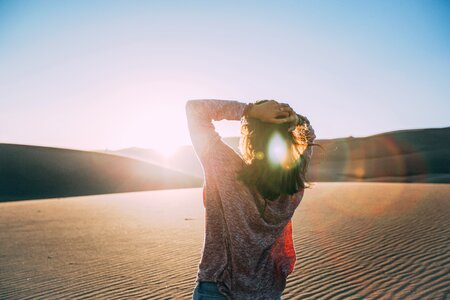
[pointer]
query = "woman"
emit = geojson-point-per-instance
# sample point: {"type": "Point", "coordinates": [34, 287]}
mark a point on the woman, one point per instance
{"type": "Point", "coordinates": [248, 250]}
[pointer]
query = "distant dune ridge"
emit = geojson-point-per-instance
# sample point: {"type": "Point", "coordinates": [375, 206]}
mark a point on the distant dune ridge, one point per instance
{"type": "Point", "coordinates": [30, 172]}
{"type": "Point", "coordinates": [417, 155]}
{"type": "Point", "coordinates": [421, 155]}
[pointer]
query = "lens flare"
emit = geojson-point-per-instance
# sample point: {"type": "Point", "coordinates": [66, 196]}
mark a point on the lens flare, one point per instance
{"type": "Point", "coordinates": [259, 155]}
{"type": "Point", "coordinates": [277, 149]}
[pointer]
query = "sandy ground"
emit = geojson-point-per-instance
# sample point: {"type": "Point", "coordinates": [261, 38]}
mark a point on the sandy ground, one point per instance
{"type": "Point", "coordinates": [353, 241]}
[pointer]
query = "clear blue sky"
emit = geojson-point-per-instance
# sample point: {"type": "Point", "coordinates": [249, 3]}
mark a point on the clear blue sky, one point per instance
{"type": "Point", "coordinates": [116, 74]}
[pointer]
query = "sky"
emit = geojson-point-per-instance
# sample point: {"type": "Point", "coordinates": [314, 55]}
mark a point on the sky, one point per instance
{"type": "Point", "coordinates": [115, 74]}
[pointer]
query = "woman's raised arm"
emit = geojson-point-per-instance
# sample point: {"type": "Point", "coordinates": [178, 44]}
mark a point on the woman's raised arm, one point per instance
{"type": "Point", "coordinates": [200, 114]}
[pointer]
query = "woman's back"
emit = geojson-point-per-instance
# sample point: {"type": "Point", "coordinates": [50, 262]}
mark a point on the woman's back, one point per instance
{"type": "Point", "coordinates": [242, 248]}
{"type": "Point", "coordinates": [248, 254]}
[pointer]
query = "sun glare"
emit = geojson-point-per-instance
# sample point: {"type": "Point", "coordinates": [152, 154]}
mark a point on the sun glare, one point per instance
{"type": "Point", "coordinates": [167, 150]}
{"type": "Point", "coordinates": [277, 149]}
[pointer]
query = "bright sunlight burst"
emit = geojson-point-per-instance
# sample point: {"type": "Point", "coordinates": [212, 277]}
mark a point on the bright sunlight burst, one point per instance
{"type": "Point", "coordinates": [277, 149]}
{"type": "Point", "coordinates": [167, 150]}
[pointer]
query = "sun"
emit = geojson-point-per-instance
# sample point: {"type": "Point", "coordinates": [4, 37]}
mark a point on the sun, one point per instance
{"type": "Point", "coordinates": [166, 150]}
{"type": "Point", "coordinates": [164, 142]}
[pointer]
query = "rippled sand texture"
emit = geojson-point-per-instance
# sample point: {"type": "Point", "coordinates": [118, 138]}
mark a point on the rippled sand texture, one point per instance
{"type": "Point", "coordinates": [353, 241]}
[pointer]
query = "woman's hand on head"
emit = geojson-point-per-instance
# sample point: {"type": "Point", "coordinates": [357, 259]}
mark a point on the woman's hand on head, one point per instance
{"type": "Point", "coordinates": [293, 117]}
{"type": "Point", "coordinates": [274, 112]}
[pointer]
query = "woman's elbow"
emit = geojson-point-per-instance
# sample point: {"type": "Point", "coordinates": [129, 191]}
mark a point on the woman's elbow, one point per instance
{"type": "Point", "coordinates": [189, 104]}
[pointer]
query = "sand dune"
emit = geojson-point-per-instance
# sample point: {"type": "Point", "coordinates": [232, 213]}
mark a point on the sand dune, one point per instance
{"type": "Point", "coordinates": [416, 155]}
{"type": "Point", "coordinates": [33, 172]}
{"type": "Point", "coordinates": [353, 241]}
{"type": "Point", "coordinates": [420, 155]}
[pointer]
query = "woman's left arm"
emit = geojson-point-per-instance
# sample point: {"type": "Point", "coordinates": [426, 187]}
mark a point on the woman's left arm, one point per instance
{"type": "Point", "coordinates": [200, 114]}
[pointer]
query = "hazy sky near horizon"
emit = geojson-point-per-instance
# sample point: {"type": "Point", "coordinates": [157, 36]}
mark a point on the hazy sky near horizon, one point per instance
{"type": "Point", "coordinates": [115, 74]}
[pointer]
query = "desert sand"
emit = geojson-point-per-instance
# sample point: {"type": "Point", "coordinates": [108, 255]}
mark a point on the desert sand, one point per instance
{"type": "Point", "coordinates": [353, 240]}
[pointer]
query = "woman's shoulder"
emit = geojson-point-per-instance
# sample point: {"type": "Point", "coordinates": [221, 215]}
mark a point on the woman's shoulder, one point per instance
{"type": "Point", "coordinates": [223, 158]}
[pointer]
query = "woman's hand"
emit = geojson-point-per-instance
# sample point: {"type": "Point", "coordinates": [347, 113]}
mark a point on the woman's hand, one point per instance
{"type": "Point", "coordinates": [274, 112]}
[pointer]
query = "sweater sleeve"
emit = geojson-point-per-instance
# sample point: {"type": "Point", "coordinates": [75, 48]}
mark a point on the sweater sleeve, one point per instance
{"type": "Point", "coordinates": [201, 113]}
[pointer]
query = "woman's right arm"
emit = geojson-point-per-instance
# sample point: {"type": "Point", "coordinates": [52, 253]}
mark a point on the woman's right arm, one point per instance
{"type": "Point", "coordinates": [200, 114]}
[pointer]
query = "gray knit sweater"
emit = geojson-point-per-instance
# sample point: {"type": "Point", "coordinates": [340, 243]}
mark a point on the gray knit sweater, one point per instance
{"type": "Point", "coordinates": [249, 256]}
